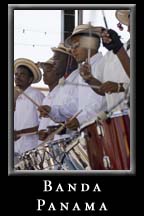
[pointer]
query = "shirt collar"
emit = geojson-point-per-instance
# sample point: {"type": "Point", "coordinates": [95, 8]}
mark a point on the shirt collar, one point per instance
{"type": "Point", "coordinates": [27, 90]}
{"type": "Point", "coordinates": [54, 91]}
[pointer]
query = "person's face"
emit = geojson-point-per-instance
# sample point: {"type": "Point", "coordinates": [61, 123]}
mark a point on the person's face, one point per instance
{"type": "Point", "coordinates": [79, 53]}
{"type": "Point", "coordinates": [60, 60]}
{"type": "Point", "coordinates": [22, 78]}
{"type": "Point", "coordinates": [49, 74]}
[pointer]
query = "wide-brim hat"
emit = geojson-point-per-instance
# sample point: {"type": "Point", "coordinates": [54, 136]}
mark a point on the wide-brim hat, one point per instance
{"type": "Point", "coordinates": [123, 16]}
{"type": "Point", "coordinates": [84, 28]}
{"type": "Point", "coordinates": [48, 62]}
{"type": "Point", "coordinates": [61, 48]}
{"type": "Point", "coordinates": [31, 65]}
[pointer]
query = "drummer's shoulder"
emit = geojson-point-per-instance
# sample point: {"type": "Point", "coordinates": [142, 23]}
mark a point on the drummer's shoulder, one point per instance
{"type": "Point", "coordinates": [73, 75]}
{"type": "Point", "coordinates": [36, 92]}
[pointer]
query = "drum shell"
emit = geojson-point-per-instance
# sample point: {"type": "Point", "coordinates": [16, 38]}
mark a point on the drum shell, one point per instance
{"type": "Point", "coordinates": [114, 143]}
{"type": "Point", "coordinates": [52, 156]}
{"type": "Point", "coordinates": [78, 154]}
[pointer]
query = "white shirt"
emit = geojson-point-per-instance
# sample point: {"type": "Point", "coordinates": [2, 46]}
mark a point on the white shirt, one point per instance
{"type": "Point", "coordinates": [49, 100]}
{"type": "Point", "coordinates": [54, 98]}
{"type": "Point", "coordinates": [27, 116]}
{"type": "Point", "coordinates": [77, 97]}
{"type": "Point", "coordinates": [112, 70]}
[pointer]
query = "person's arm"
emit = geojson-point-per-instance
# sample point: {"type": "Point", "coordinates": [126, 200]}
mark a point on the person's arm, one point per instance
{"type": "Point", "coordinates": [91, 110]}
{"type": "Point", "coordinates": [38, 97]}
{"type": "Point", "coordinates": [95, 82]}
{"type": "Point", "coordinates": [65, 111]}
{"type": "Point", "coordinates": [60, 113]}
{"type": "Point", "coordinates": [111, 41]}
{"type": "Point", "coordinates": [124, 59]}
{"type": "Point", "coordinates": [113, 87]}
{"type": "Point", "coordinates": [85, 72]}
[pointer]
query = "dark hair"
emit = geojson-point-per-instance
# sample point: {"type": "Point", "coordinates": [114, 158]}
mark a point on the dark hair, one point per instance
{"type": "Point", "coordinates": [30, 73]}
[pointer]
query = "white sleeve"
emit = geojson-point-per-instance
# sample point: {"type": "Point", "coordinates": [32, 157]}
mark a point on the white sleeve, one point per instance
{"type": "Point", "coordinates": [38, 98]}
{"type": "Point", "coordinates": [98, 69]}
{"type": "Point", "coordinates": [61, 113]}
{"type": "Point", "coordinates": [91, 110]}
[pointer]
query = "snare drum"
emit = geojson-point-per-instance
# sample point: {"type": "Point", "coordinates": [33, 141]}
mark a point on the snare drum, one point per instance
{"type": "Point", "coordinates": [108, 142]}
{"type": "Point", "coordinates": [46, 157]}
{"type": "Point", "coordinates": [77, 154]}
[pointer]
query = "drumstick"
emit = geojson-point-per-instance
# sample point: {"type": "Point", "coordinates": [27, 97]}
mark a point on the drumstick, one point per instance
{"type": "Point", "coordinates": [34, 102]}
{"type": "Point", "coordinates": [60, 128]}
{"type": "Point", "coordinates": [73, 117]}
{"type": "Point", "coordinates": [104, 18]}
{"type": "Point", "coordinates": [63, 82]}
{"type": "Point", "coordinates": [105, 114]}
{"type": "Point", "coordinates": [89, 49]}
{"type": "Point", "coordinates": [22, 92]}
{"type": "Point", "coordinates": [25, 134]}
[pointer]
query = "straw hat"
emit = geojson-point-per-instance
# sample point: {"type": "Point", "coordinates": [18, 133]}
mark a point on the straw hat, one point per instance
{"type": "Point", "coordinates": [49, 61]}
{"type": "Point", "coordinates": [84, 28]}
{"type": "Point", "coordinates": [31, 65]}
{"type": "Point", "coordinates": [61, 48]}
{"type": "Point", "coordinates": [122, 16]}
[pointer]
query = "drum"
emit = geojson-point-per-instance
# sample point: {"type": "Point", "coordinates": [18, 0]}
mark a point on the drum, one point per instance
{"type": "Point", "coordinates": [76, 153]}
{"type": "Point", "coordinates": [45, 157]}
{"type": "Point", "coordinates": [52, 156]}
{"type": "Point", "coordinates": [108, 142]}
{"type": "Point", "coordinates": [16, 157]}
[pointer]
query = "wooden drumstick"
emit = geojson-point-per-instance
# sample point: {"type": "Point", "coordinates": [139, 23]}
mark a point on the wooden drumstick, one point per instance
{"type": "Point", "coordinates": [89, 49]}
{"type": "Point", "coordinates": [73, 117]}
{"type": "Point", "coordinates": [26, 134]}
{"type": "Point", "coordinates": [22, 92]}
{"type": "Point", "coordinates": [60, 128]}
{"type": "Point", "coordinates": [104, 18]}
{"type": "Point", "coordinates": [62, 81]}
{"type": "Point", "coordinates": [34, 102]}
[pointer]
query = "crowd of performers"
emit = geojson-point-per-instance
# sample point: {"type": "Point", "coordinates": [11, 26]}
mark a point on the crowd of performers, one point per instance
{"type": "Point", "coordinates": [83, 123]}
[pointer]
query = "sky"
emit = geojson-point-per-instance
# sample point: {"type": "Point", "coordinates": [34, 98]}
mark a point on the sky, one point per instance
{"type": "Point", "coordinates": [36, 31]}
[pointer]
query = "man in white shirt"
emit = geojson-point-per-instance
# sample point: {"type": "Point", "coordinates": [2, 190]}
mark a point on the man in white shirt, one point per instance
{"type": "Point", "coordinates": [26, 115]}
{"type": "Point", "coordinates": [75, 94]}
{"type": "Point", "coordinates": [114, 67]}
{"type": "Point", "coordinates": [58, 66]}
{"type": "Point", "coordinates": [92, 104]}
{"type": "Point", "coordinates": [54, 69]}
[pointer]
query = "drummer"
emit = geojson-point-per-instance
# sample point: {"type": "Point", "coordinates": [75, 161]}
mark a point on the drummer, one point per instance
{"type": "Point", "coordinates": [75, 92]}
{"type": "Point", "coordinates": [26, 115]}
{"type": "Point", "coordinates": [114, 70]}
{"type": "Point", "coordinates": [61, 64]}
{"type": "Point", "coordinates": [54, 69]}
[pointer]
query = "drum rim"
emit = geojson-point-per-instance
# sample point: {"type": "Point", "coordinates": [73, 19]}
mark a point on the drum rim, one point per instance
{"type": "Point", "coordinates": [119, 113]}
{"type": "Point", "coordinates": [112, 115]}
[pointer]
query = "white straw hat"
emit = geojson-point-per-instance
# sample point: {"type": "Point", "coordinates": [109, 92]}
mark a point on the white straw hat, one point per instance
{"type": "Point", "coordinates": [84, 28]}
{"type": "Point", "coordinates": [122, 16]}
{"type": "Point", "coordinates": [48, 62]}
{"type": "Point", "coordinates": [61, 48]}
{"type": "Point", "coordinates": [31, 65]}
